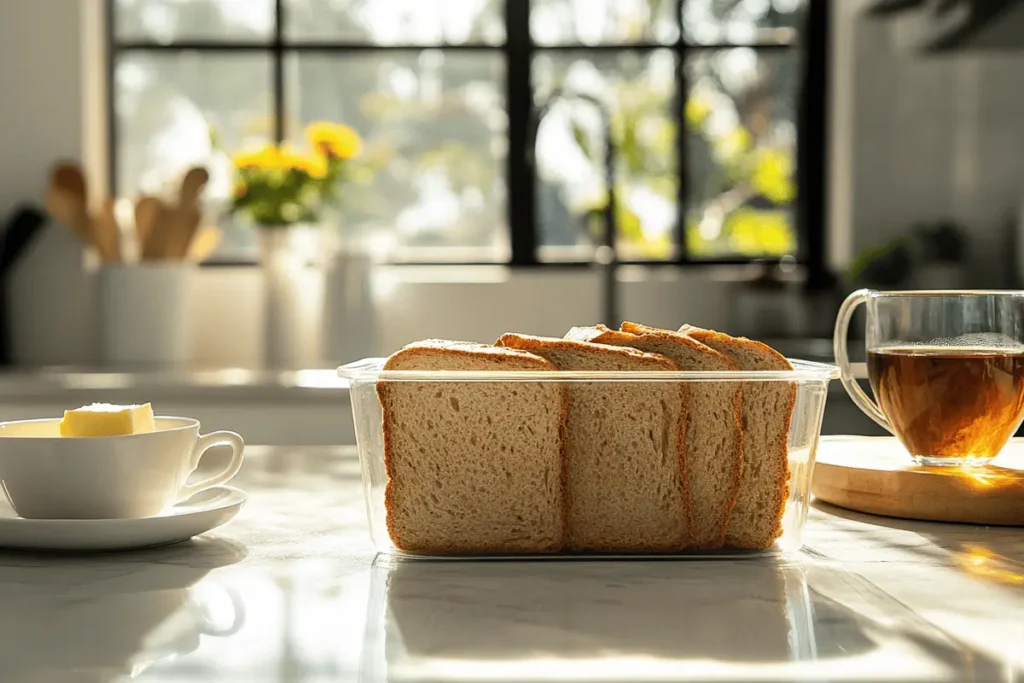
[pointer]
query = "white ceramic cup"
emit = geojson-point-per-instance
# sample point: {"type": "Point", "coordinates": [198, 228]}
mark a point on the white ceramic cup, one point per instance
{"type": "Point", "coordinates": [46, 476]}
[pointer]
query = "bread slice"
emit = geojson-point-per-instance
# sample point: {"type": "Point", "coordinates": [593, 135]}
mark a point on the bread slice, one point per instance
{"type": "Point", "coordinates": [473, 467]}
{"type": "Point", "coordinates": [767, 411]}
{"type": "Point", "coordinates": [714, 435]}
{"type": "Point", "coordinates": [626, 488]}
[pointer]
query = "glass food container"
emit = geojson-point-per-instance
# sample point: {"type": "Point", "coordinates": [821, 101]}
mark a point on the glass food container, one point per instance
{"type": "Point", "coordinates": [809, 379]}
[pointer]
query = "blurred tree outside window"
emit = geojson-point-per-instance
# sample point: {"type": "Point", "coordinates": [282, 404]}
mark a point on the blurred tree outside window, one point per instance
{"type": "Point", "coordinates": [703, 90]}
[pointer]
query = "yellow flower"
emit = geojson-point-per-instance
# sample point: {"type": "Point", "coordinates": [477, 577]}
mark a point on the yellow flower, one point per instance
{"type": "Point", "coordinates": [697, 109]}
{"type": "Point", "coordinates": [266, 157]}
{"type": "Point", "coordinates": [311, 164]}
{"type": "Point", "coordinates": [773, 176]}
{"type": "Point", "coordinates": [333, 140]}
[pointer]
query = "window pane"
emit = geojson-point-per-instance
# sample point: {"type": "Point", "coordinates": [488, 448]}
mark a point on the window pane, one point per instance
{"type": "Point", "coordinates": [741, 153]}
{"type": "Point", "coordinates": [167, 106]}
{"type": "Point", "coordinates": [435, 132]}
{"type": "Point", "coordinates": [168, 20]}
{"type": "Point", "coordinates": [591, 22]}
{"type": "Point", "coordinates": [741, 21]}
{"type": "Point", "coordinates": [638, 90]}
{"type": "Point", "coordinates": [397, 22]}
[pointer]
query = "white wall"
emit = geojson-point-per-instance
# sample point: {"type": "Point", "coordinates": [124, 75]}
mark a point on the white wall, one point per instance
{"type": "Point", "coordinates": [928, 137]}
{"type": "Point", "coordinates": [41, 93]}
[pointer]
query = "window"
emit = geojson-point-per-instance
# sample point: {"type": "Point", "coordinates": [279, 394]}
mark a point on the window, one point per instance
{"type": "Point", "coordinates": [486, 122]}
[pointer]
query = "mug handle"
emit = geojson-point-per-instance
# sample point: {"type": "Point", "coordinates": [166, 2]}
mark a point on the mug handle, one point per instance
{"type": "Point", "coordinates": [205, 443]}
{"type": "Point", "coordinates": [853, 388]}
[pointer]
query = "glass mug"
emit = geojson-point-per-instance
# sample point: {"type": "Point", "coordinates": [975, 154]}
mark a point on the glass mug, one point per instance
{"type": "Point", "coordinates": [946, 369]}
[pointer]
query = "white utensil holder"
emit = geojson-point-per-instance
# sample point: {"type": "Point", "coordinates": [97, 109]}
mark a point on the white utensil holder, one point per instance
{"type": "Point", "coordinates": [144, 319]}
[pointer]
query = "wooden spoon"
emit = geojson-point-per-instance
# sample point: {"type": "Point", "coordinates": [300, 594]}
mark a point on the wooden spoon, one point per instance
{"type": "Point", "coordinates": [66, 199]}
{"type": "Point", "coordinates": [65, 208]}
{"type": "Point", "coordinates": [192, 186]}
{"type": "Point", "coordinates": [159, 237]}
{"type": "Point", "coordinates": [68, 176]}
{"type": "Point", "coordinates": [184, 218]}
{"type": "Point", "coordinates": [107, 233]}
{"type": "Point", "coordinates": [182, 224]}
{"type": "Point", "coordinates": [171, 235]}
{"type": "Point", "coordinates": [147, 213]}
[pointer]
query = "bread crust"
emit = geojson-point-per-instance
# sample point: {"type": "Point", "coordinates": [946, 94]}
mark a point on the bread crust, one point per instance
{"type": "Point", "coordinates": [442, 347]}
{"type": "Point", "coordinates": [631, 328]}
{"type": "Point", "coordinates": [536, 345]}
{"type": "Point", "coordinates": [774, 361]}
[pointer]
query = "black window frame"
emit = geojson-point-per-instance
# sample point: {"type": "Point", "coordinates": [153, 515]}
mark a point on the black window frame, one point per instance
{"type": "Point", "coordinates": [519, 48]}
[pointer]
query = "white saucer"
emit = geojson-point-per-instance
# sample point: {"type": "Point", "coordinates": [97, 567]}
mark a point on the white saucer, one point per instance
{"type": "Point", "coordinates": [202, 512]}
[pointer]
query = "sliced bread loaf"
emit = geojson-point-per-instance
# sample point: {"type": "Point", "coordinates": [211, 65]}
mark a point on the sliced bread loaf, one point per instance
{"type": "Point", "coordinates": [626, 488]}
{"type": "Point", "coordinates": [767, 411]}
{"type": "Point", "coordinates": [473, 467]}
{"type": "Point", "coordinates": [714, 435]}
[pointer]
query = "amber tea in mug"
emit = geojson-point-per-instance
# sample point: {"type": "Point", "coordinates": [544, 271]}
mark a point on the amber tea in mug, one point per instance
{"type": "Point", "coordinates": [946, 369]}
{"type": "Point", "coordinates": [949, 402]}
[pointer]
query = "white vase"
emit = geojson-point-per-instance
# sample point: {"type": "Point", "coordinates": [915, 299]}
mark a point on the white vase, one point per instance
{"type": "Point", "coordinates": [349, 319]}
{"type": "Point", "coordinates": [282, 309]}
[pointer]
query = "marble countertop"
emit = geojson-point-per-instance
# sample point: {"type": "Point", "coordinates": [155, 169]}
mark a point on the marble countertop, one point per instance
{"type": "Point", "coordinates": [291, 591]}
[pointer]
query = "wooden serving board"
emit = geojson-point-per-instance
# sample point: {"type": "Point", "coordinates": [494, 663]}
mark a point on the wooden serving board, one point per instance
{"type": "Point", "coordinates": [875, 475]}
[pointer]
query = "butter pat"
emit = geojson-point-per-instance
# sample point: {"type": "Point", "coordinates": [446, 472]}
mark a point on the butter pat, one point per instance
{"type": "Point", "coordinates": [104, 419]}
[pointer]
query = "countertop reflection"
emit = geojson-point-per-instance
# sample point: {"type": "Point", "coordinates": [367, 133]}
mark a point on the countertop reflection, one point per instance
{"type": "Point", "coordinates": [291, 591]}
